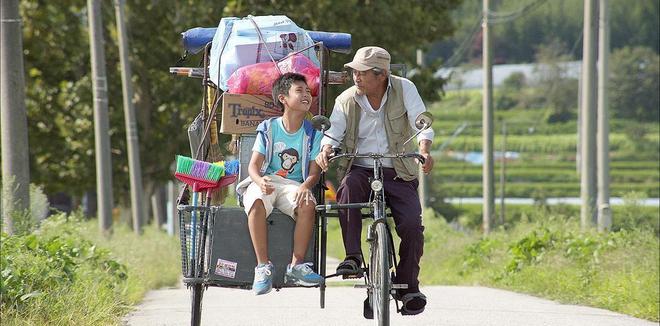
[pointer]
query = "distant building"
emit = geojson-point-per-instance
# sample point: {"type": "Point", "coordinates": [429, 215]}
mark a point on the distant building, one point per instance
{"type": "Point", "coordinates": [462, 78]}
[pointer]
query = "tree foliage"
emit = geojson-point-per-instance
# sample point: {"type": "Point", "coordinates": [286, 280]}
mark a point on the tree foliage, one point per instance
{"type": "Point", "coordinates": [634, 84]}
{"type": "Point", "coordinates": [397, 25]}
{"type": "Point", "coordinates": [59, 91]}
{"type": "Point", "coordinates": [558, 90]}
{"type": "Point", "coordinates": [58, 69]}
{"type": "Point", "coordinates": [632, 23]}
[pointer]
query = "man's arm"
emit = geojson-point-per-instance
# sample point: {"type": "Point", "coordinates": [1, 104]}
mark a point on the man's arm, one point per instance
{"type": "Point", "coordinates": [337, 130]}
{"type": "Point", "coordinates": [415, 106]}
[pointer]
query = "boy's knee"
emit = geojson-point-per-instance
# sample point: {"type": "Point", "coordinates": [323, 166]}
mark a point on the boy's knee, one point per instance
{"type": "Point", "coordinates": [306, 210]}
{"type": "Point", "coordinates": [258, 207]}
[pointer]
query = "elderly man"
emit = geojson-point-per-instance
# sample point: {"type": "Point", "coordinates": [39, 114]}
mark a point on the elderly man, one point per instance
{"type": "Point", "coordinates": [377, 115]}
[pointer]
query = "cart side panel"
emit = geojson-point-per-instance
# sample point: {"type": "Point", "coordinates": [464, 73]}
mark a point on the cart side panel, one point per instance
{"type": "Point", "coordinates": [232, 256]}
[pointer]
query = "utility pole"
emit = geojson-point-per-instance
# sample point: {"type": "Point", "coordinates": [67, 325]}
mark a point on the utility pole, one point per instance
{"type": "Point", "coordinates": [503, 173]}
{"type": "Point", "coordinates": [133, 146]}
{"type": "Point", "coordinates": [421, 189]}
{"type": "Point", "coordinates": [604, 212]}
{"type": "Point", "coordinates": [487, 122]}
{"type": "Point", "coordinates": [588, 118]}
{"type": "Point", "coordinates": [15, 162]}
{"type": "Point", "coordinates": [101, 136]}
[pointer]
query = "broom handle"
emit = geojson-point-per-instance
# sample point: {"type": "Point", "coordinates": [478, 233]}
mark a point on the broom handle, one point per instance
{"type": "Point", "coordinates": [193, 239]}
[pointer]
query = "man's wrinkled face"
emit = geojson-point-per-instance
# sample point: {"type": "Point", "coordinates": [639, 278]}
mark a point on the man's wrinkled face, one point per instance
{"type": "Point", "coordinates": [367, 82]}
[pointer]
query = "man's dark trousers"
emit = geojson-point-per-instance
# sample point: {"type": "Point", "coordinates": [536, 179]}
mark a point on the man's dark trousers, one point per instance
{"type": "Point", "coordinates": [402, 198]}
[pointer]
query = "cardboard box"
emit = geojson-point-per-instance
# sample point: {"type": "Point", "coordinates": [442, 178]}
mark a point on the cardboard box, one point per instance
{"type": "Point", "coordinates": [242, 113]}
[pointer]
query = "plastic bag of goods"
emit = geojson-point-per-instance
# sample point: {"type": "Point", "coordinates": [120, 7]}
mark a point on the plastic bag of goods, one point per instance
{"type": "Point", "coordinates": [257, 79]}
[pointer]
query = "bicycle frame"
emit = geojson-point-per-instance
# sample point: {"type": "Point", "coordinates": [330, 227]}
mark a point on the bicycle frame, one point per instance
{"type": "Point", "coordinates": [379, 283]}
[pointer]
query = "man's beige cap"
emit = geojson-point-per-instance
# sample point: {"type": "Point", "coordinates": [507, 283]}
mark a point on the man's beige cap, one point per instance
{"type": "Point", "coordinates": [370, 57]}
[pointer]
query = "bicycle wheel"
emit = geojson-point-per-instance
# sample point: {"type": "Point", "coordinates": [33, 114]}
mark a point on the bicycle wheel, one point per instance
{"type": "Point", "coordinates": [197, 291]}
{"type": "Point", "coordinates": [380, 276]}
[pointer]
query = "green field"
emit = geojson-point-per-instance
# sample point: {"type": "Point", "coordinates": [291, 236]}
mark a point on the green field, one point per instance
{"type": "Point", "coordinates": [546, 166]}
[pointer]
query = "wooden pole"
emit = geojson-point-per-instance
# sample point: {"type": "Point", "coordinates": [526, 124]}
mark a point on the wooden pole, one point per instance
{"type": "Point", "coordinates": [487, 121]}
{"type": "Point", "coordinates": [101, 124]}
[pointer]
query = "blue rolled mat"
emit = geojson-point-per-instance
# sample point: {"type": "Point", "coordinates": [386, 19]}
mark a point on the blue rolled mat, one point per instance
{"type": "Point", "coordinates": [196, 38]}
{"type": "Point", "coordinates": [336, 42]}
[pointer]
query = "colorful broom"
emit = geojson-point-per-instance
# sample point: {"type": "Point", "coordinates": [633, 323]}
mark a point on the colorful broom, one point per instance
{"type": "Point", "coordinates": [201, 176]}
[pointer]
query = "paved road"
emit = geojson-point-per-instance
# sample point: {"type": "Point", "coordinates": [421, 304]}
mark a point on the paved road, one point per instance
{"type": "Point", "coordinates": [448, 306]}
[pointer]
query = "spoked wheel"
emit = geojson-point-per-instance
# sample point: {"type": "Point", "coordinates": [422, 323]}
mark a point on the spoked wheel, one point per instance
{"type": "Point", "coordinates": [197, 291]}
{"type": "Point", "coordinates": [379, 276]}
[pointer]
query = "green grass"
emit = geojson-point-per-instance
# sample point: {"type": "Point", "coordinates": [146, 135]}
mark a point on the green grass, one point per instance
{"type": "Point", "coordinates": [545, 254]}
{"type": "Point", "coordinates": [65, 273]}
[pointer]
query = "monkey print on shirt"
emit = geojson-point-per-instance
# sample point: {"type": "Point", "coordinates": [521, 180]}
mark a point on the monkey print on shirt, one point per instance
{"type": "Point", "coordinates": [288, 158]}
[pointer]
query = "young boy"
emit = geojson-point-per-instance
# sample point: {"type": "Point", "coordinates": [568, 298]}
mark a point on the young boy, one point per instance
{"type": "Point", "coordinates": [282, 173]}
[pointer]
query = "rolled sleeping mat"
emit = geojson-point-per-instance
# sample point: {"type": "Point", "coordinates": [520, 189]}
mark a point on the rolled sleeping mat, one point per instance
{"type": "Point", "coordinates": [336, 42]}
{"type": "Point", "coordinates": [196, 38]}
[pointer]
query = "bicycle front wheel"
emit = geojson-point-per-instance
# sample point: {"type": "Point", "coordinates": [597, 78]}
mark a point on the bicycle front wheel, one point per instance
{"type": "Point", "coordinates": [380, 276]}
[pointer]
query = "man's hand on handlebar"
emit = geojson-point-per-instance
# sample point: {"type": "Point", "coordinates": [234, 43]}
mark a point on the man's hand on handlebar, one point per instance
{"type": "Point", "coordinates": [424, 150]}
{"type": "Point", "coordinates": [323, 157]}
{"type": "Point", "coordinates": [428, 162]}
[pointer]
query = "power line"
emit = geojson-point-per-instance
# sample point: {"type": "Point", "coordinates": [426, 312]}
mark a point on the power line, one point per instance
{"type": "Point", "coordinates": [498, 18]}
{"type": "Point", "coordinates": [458, 54]}
{"type": "Point", "coordinates": [494, 17]}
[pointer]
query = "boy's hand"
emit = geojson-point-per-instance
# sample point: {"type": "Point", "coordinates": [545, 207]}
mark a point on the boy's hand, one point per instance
{"type": "Point", "coordinates": [303, 196]}
{"type": "Point", "coordinates": [266, 186]}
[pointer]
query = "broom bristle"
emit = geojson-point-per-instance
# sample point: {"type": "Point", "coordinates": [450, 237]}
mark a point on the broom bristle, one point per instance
{"type": "Point", "coordinates": [198, 169]}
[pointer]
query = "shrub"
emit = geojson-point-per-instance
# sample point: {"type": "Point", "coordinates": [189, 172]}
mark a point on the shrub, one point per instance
{"type": "Point", "coordinates": [33, 265]}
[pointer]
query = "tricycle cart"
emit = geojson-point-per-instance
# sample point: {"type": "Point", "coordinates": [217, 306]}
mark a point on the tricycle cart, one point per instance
{"type": "Point", "coordinates": [216, 250]}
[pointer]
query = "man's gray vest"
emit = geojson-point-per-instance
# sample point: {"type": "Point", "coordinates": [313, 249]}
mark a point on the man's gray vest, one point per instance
{"type": "Point", "coordinates": [397, 129]}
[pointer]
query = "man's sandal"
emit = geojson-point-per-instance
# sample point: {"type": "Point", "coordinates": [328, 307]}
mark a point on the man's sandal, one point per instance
{"type": "Point", "coordinates": [413, 303]}
{"type": "Point", "coordinates": [350, 266]}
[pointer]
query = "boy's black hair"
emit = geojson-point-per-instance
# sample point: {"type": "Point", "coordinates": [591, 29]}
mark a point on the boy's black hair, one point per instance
{"type": "Point", "coordinates": [282, 85]}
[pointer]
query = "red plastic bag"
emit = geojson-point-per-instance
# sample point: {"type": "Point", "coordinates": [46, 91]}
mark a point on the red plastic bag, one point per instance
{"type": "Point", "coordinates": [257, 79]}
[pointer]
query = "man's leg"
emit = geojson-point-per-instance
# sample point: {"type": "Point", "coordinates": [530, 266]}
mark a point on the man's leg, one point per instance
{"type": "Point", "coordinates": [354, 188]}
{"type": "Point", "coordinates": [403, 200]}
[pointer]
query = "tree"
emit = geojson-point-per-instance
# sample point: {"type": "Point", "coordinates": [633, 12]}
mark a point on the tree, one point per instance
{"type": "Point", "coordinates": [559, 91]}
{"type": "Point", "coordinates": [59, 97]}
{"type": "Point", "coordinates": [399, 26]}
{"type": "Point", "coordinates": [632, 23]}
{"type": "Point", "coordinates": [634, 84]}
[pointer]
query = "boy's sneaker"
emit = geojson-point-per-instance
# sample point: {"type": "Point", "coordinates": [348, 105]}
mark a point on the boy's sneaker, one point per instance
{"type": "Point", "coordinates": [302, 274]}
{"type": "Point", "coordinates": [263, 278]}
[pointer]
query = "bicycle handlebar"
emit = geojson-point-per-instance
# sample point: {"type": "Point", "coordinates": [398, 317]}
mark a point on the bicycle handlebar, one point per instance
{"type": "Point", "coordinates": [418, 156]}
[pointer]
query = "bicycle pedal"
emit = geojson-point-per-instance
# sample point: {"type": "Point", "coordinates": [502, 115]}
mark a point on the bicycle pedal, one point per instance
{"type": "Point", "coordinates": [399, 286]}
{"type": "Point", "coordinates": [351, 276]}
